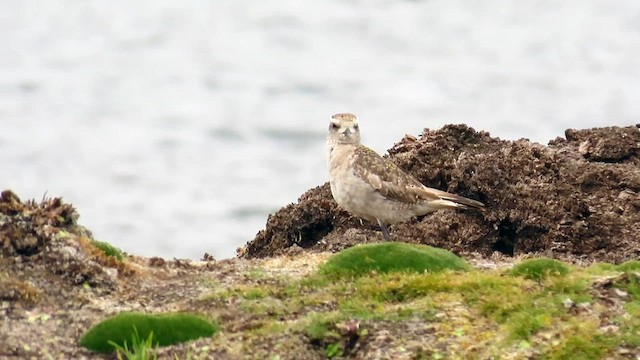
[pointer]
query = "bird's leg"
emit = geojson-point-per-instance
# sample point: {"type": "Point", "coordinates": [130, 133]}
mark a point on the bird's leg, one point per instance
{"type": "Point", "coordinates": [385, 231]}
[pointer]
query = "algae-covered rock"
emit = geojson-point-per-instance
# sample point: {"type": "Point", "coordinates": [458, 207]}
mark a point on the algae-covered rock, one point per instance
{"type": "Point", "coordinates": [46, 234]}
{"type": "Point", "coordinates": [578, 196]}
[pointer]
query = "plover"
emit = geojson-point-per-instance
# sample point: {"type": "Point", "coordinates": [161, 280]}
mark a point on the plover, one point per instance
{"type": "Point", "coordinates": [374, 188]}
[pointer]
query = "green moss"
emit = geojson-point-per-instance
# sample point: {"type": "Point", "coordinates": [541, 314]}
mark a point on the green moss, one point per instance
{"type": "Point", "coordinates": [497, 314]}
{"type": "Point", "coordinates": [254, 293]}
{"type": "Point", "coordinates": [320, 326]}
{"type": "Point", "coordinates": [396, 287]}
{"type": "Point", "coordinates": [629, 266]}
{"type": "Point", "coordinates": [312, 282]}
{"type": "Point", "coordinates": [538, 269]}
{"type": "Point", "coordinates": [526, 322]}
{"type": "Point", "coordinates": [167, 329]}
{"type": "Point", "coordinates": [600, 268]}
{"type": "Point", "coordinates": [238, 291]}
{"type": "Point", "coordinates": [519, 306]}
{"type": "Point", "coordinates": [264, 307]}
{"type": "Point", "coordinates": [391, 257]}
{"type": "Point", "coordinates": [356, 307]}
{"type": "Point", "coordinates": [108, 249]}
{"type": "Point", "coordinates": [581, 341]}
{"type": "Point", "coordinates": [630, 325]}
{"type": "Point", "coordinates": [629, 282]}
{"type": "Point", "coordinates": [321, 330]}
{"type": "Point", "coordinates": [257, 274]}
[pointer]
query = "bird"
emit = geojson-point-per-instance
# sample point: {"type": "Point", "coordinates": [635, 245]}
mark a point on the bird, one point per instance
{"type": "Point", "coordinates": [374, 188]}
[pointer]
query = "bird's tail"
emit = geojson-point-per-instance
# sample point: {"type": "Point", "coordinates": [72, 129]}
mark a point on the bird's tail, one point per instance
{"type": "Point", "coordinates": [460, 201]}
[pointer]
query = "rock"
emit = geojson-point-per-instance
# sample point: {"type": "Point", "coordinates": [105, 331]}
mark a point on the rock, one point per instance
{"type": "Point", "coordinates": [578, 198]}
{"type": "Point", "coordinates": [609, 144]}
{"type": "Point", "coordinates": [46, 235]}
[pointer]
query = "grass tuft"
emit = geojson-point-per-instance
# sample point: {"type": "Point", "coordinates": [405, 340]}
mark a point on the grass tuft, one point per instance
{"type": "Point", "coordinates": [391, 257]}
{"type": "Point", "coordinates": [167, 329]}
{"type": "Point", "coordinates": [141, 349]}
{"type": "Point", "coordinates": [321, 331]}
{"type": "Point", "coordinates": [538, 269]}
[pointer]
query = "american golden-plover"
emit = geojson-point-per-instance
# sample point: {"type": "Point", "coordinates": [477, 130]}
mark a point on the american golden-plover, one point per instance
{"type": "Point", "coordinates": [374, 188]}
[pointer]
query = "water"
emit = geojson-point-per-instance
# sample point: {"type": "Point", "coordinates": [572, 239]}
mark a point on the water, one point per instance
{"type": "Point", "coordinates": [176, 127]}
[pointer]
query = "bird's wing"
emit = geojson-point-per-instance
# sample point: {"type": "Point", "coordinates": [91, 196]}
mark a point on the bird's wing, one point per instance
{"type": "Point", "coordinates": [394, 183]}
{"type": "Point", "coordinates": [387, 178]}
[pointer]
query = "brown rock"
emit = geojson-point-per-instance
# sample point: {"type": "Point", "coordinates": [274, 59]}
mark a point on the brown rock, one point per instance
{"type": "Point", "coordinates": [577, 198]}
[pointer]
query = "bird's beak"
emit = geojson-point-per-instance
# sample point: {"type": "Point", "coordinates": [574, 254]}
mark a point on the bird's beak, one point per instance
{"type": "Point", "coordinates": [347, 133]}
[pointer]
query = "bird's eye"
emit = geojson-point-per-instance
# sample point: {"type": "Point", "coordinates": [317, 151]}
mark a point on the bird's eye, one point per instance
{"type": "Point", "coordinates": [333, 126]}
{"type": "Point", "coordinates": [356, 126]}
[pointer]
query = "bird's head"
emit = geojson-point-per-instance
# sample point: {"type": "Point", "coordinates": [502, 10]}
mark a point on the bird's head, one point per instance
{"type": "Point", "coordinates": [343, 129]}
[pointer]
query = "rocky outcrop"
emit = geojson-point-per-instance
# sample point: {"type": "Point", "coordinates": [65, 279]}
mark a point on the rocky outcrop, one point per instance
{"type": "Point", "coordinates": [577, 198]}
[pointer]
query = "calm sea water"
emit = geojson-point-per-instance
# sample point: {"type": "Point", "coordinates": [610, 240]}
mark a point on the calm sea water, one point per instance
{"type": "Point", "coordinates": [176, 127]}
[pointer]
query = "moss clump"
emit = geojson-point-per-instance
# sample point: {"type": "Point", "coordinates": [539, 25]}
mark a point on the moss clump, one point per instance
{"type": "Point", "coordinates": [167, 329]}
{"type": "Point", "coordinates": [538, 269]}
{"type": "Point", "coordinates": [629, 266]}
{"type": "Point", "coordinates": [108, 249]}
{"type": "Point", "coordinates": [391, 257]}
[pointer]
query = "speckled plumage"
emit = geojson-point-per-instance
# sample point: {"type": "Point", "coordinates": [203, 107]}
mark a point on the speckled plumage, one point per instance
{"type": "Point", "coordinates": [374, 188]}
